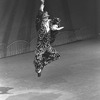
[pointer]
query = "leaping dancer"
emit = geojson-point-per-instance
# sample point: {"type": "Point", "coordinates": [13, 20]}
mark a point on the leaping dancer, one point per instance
{"type": "Point", "coordinates": [47, 30]}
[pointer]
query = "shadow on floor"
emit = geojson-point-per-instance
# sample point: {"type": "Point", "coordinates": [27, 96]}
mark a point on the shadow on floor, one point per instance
{"type": "Point", "coordinates": [5, 90]}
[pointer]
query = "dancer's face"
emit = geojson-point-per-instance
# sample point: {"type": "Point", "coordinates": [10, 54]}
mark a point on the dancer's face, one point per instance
{"type": "Point", "coordinates": [46, 18]}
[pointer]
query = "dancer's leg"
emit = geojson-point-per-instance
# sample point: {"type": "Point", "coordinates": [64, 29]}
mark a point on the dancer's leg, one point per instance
{"type": "Point", "coordinates": [38, 60]}
{"type": "Point", "coordinates": [50, 55]}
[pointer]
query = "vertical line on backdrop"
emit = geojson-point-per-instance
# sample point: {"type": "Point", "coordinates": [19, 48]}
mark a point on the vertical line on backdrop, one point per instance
{"type": "Point", "coordinates": [26, 23]}
{"type": "Point", "coordinates": [30, 17]}
{"type": "Point", "coordinates": [9, 24]}
{"type": "Point", "coordinates": [66, 11]}
{"type": "Point", "coordinates": [22, 28]}
{"type": "Point", "coordinates": [6, 9]}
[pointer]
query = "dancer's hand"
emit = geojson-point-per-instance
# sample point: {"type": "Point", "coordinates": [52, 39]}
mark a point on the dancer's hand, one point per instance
{"type": "Point", "coordinates": [42, 6]}
{"type": "Point", "coordinates": [43, 1]}
{"type": "Point", "coordinates": [60, 28]}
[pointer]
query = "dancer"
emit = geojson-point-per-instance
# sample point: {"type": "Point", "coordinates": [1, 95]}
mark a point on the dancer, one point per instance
{"type": "Point", "coordinates": [47, 31]}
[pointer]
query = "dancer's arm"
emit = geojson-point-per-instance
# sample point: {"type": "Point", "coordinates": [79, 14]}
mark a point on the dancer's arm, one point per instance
{"type": "Point", "coordinates": [42, 1]}
{"type": "Point", "coordinates": [39, 15]}
{"type": "Point", "coordinates": [55, 27]}
{"type": "Point", "coordinates": [42, 6]}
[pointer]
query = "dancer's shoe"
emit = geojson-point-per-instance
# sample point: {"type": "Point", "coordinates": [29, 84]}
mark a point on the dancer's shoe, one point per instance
{"type": "Point", "coordinates": [39, 72]}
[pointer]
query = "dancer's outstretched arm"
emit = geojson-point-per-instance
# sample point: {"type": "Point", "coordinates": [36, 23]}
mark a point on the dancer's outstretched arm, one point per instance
{"type": "Point", "coordinates": [55, 27]}
{"type": "Point", "coordinates": [42, 5]}
{"type": "Point", "coordinates": [39, 15]}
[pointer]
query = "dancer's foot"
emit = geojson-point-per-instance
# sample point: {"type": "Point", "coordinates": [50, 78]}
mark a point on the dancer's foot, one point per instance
{"type": "Point", "coordinates": [39, 72]}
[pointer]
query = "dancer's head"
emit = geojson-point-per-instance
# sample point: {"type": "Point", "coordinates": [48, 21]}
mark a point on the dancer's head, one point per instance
{"type": "Point", "coordinates": [45, 15]}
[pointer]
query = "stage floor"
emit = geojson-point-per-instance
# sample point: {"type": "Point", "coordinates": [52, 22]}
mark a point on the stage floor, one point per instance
{"type": "Point", "coordinates": [75, 76]}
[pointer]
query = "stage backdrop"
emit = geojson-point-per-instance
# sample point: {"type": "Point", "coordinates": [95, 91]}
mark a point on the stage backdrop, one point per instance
{"type": "Point", "coordinates": [17, 23]}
